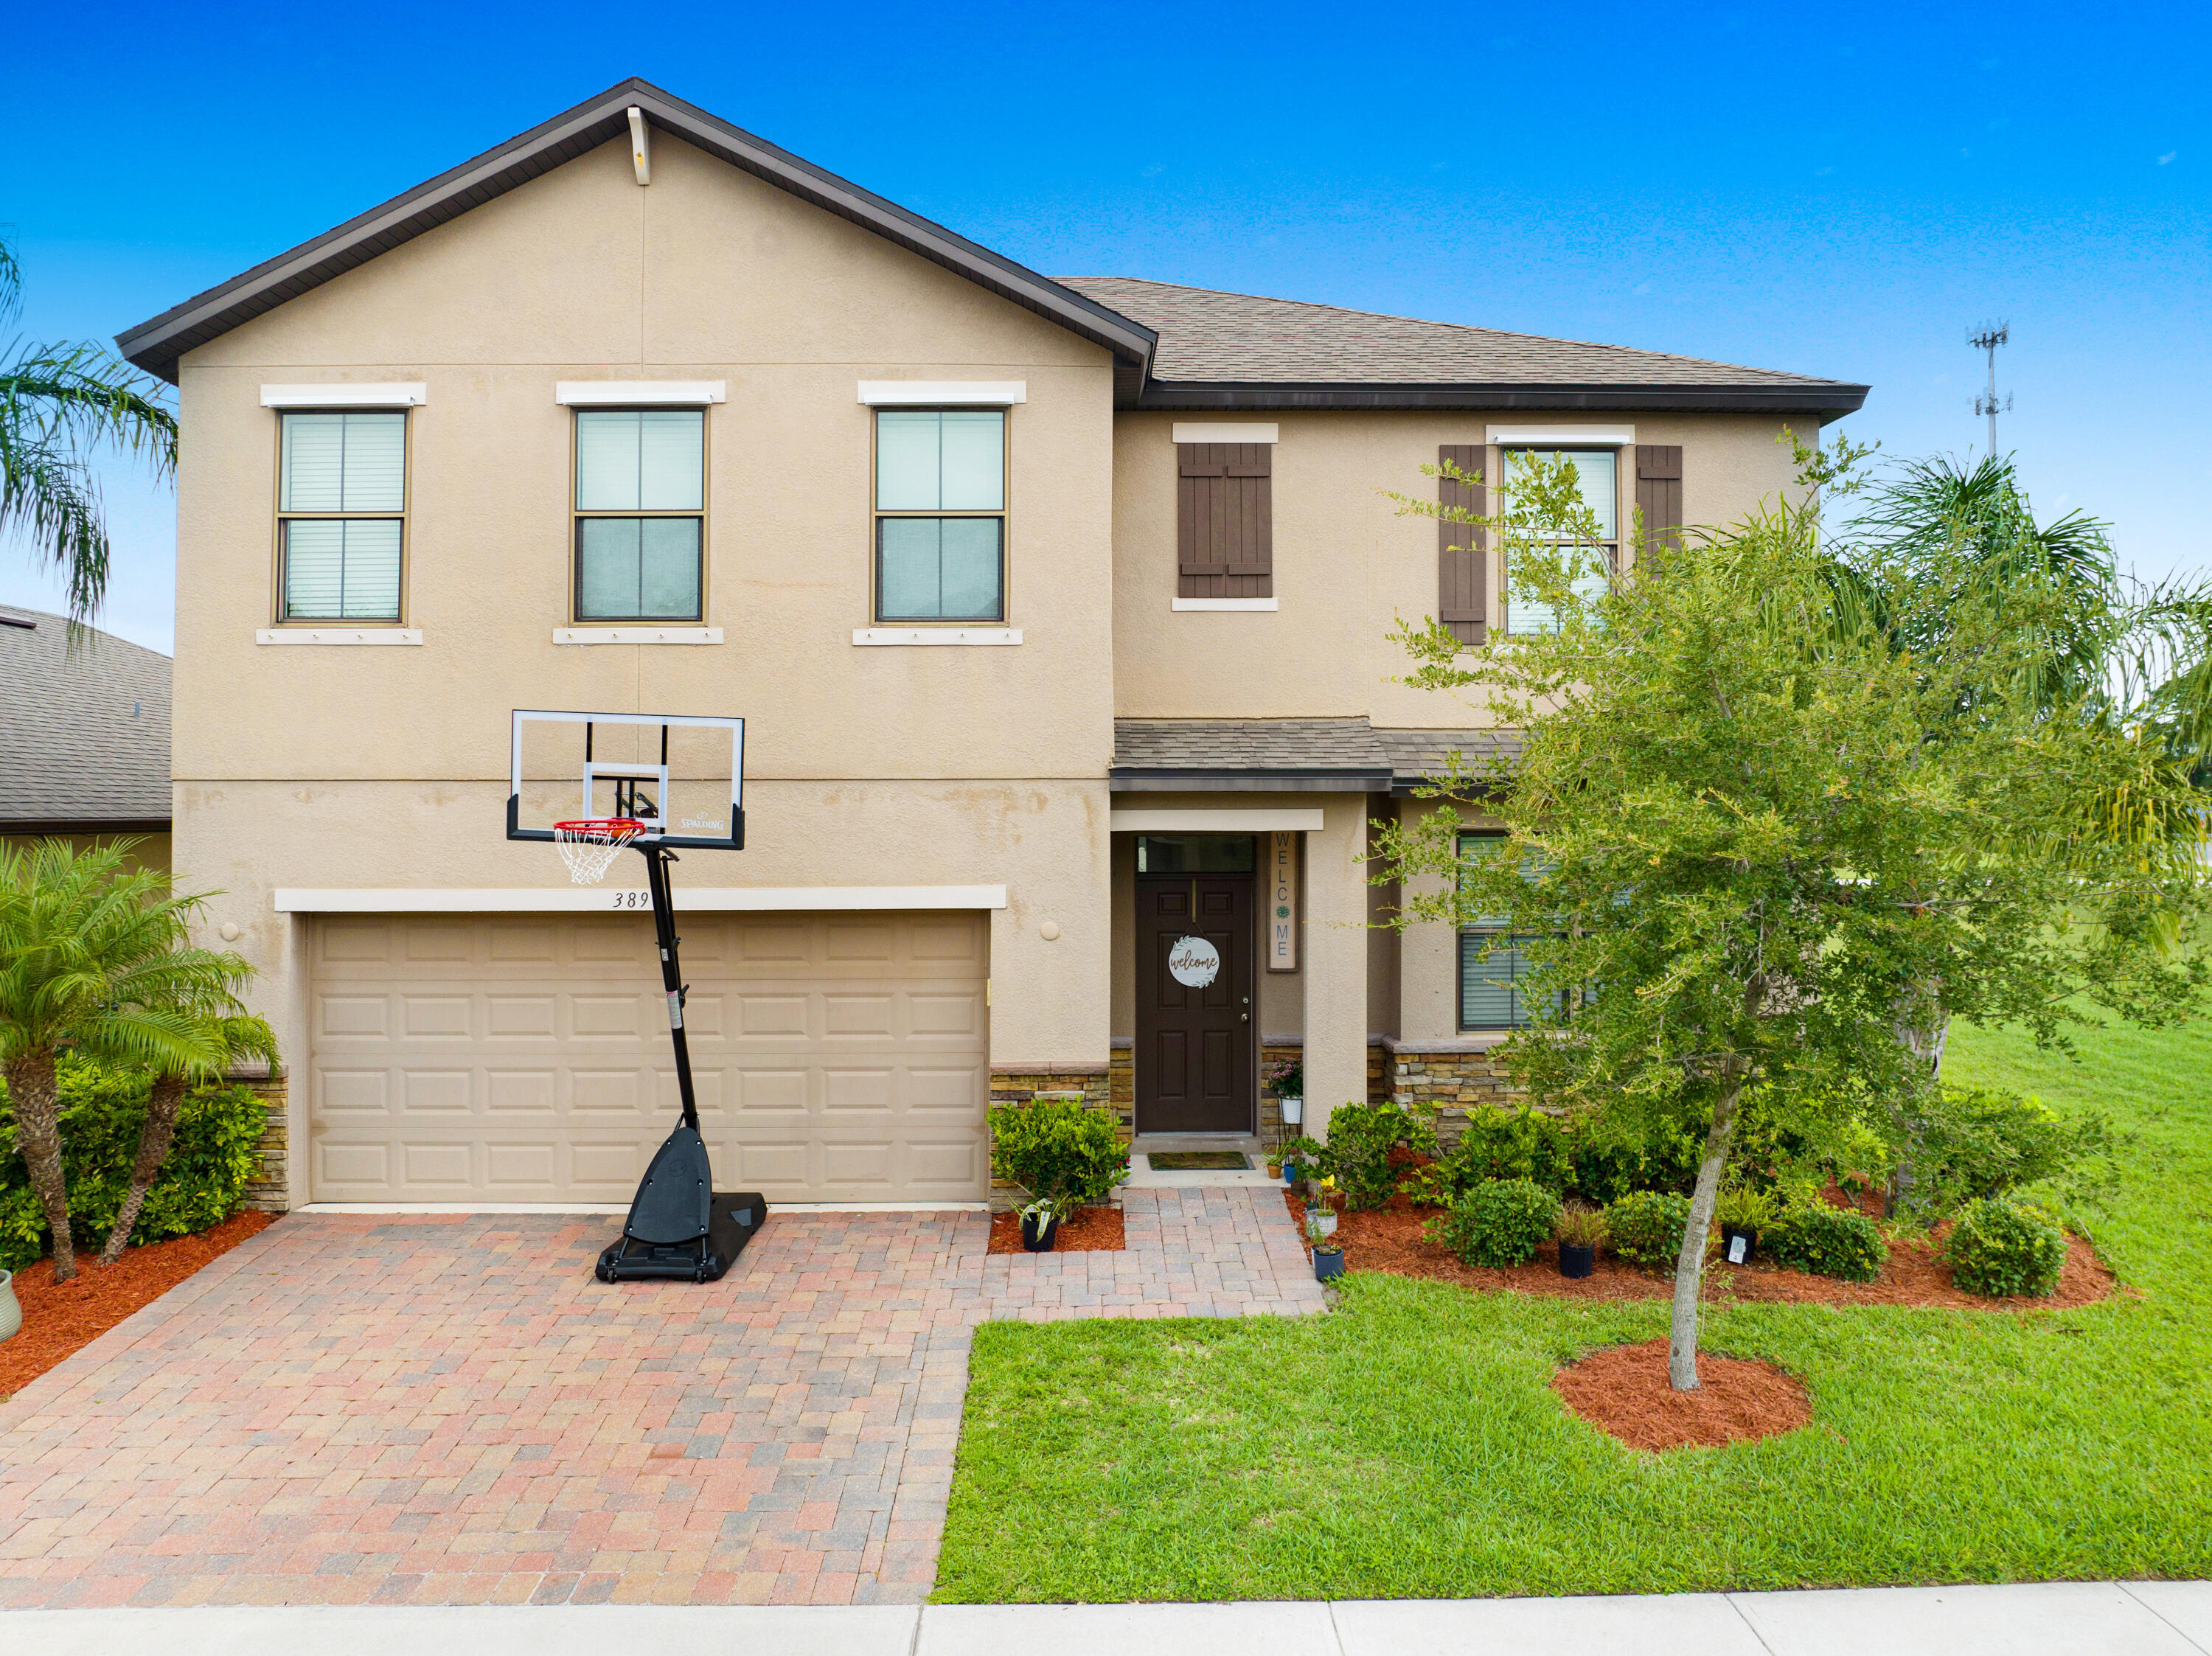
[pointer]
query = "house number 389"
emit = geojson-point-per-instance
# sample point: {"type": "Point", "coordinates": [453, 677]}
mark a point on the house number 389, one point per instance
{"type": "Point", "coordinates": [632, 899]}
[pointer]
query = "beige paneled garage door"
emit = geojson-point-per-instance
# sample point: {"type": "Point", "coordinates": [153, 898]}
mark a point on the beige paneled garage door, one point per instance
{"type": "Point", "coordinates": [525, 1058]}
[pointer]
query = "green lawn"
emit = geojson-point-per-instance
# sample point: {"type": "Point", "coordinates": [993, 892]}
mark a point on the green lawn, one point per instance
{"type": "Point", "coordinates": [1408, 1444]}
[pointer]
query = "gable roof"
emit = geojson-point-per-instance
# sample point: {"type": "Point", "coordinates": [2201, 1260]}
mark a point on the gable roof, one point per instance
{"type": "Point", "coordinates": [156, 345]}
{"type": "Point", "coordinates": [1238, 350]}
{"type": "Point", "coordinates": [85, 732]}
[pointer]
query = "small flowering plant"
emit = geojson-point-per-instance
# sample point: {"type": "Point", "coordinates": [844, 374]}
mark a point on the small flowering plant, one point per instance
{"type": "Point", "coordinates": [1285, 1078]}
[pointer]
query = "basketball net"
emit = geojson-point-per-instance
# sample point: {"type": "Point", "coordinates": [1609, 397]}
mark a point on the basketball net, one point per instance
{"type": "Point", "coordinates": [590, 848]}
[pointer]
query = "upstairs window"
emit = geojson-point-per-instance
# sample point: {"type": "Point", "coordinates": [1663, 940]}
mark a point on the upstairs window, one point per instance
{"type": "Point", "coordinates": [641, 513]}
{"type": "Point", "coordinates": [342, 504]}
{"type": "Point", "coordinates": [1597, 472]}
{"type": "Point", "coordinates": [940, 515]}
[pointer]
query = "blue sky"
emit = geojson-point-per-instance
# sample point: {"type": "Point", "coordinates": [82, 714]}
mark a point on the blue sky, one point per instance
{"type": "Point", "coordinates": [1844, 191]}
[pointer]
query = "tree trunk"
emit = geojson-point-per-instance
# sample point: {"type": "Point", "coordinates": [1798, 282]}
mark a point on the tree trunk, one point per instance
{"type": "Point", "coordinates": [1690, 1265]}
{"type": "Point", "coordinates": [154, 1140]}
{"type": "Point", "coordinates": [1922, 1028]}
{"type": "Point", "coordinates": [31, 1089]}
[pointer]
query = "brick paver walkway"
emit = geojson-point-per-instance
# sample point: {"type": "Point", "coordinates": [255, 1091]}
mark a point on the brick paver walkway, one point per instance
{"type": "Point", "coordinates": [352, 1409]}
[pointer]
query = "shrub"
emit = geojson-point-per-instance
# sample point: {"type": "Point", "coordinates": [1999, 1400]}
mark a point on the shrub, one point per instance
{"type": "Point", "coordinates": [1746, 1209]}
{"type": "Point", "coordinates": [213, 1154]}
{"type": "Point", "coordinates": [1579, 1225]}
{"type": "Point", "coordinates": [1646, 1226]}
{"type": "Point", "coordinates": [2001, 1247]}
{"type": "Point", "coordinates": [1358, 1155]}
{"type": "Point", "coordinates": [1827, 1241]}
{"type": "Point", "coordinates": [1498, 1224]}
{"type": "Point", "coordinates": [1428, 1186]}
{"type": "Point", "coordinates": [1057, 1150]}
{"type": "Point", "coordinates": [1969, 1142]}
{"type": "Point", "coordinates": [1523, 1143]}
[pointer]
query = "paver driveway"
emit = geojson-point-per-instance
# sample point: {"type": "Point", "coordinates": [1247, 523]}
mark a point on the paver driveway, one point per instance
{"type": "Point", "coordinates": [451, 1410]}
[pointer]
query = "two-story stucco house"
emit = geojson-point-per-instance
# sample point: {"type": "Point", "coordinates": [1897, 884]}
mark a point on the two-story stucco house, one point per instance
{"type": "Point", "coordinates": [1056, 609]}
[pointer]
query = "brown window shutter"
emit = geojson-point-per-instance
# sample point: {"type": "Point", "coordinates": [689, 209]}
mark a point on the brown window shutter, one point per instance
{"type": "Point", "coordinates": [1460, 572]}
{"type": "Point", "coordinates": [1225, 519]}
{"type": "Point", "coordinates": [1659, 494]}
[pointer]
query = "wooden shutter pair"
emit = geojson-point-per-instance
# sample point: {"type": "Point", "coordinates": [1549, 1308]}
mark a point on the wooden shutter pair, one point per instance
{"type": "Point", "coordinates": [1659, 494]}
{"type": "Point", "coordinates": [1225, 520]}
{"type": "Point", "coordinates": [1460, 567]}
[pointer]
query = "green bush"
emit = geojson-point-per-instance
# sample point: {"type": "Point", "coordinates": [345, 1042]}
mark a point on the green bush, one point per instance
{"type": "Point", "coordinates": [212, 1156]}
{"type": "Point", "coordinates": [1358, 1155]}
{"type": "Point", "coordinates": [2001, 1247]}
{"type": "Point", "coordinates": [1057, 1150]}
{"type": "Point", "coordinates": [1747, 1209]}
{"type": "Point", "coordinates": [1498, 1223]}
{"type": "Point", "coordinates": [1646, 1226]}
{"type": "Point", "coordinates": [1523, 1143]}
{"type": "Point", "coordinates": [1827, 1241]}
{"type": "Point", "coordinates": [1969, 1142]}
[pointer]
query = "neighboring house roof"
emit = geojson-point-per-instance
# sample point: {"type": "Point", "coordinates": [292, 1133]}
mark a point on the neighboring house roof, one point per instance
{"type": "Point", "coordinates": [1296, 755]}
{"type": "Point", "coordinates": [1220, 350]}
{"type": "Point", "coordinates": [84, 730]}
{"type": "Point", "coordinates": [1174, 348]}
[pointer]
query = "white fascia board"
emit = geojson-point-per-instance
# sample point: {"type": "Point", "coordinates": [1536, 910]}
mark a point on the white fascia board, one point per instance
{"type": "Point", "coordinates": [634, 393]}
{"type": "Point", "coordinates": [1226, 606]}
{"type": "Point", "coordinates": [878, 636]}
{"type": "Point", "coordinates": [584, 900]}
{"type": "Point", "coordinates": [1225, 431]}
{"type": "Point", "coordinates": [637, 635]}
{"type": "Point", "coordinates": [1214, 821]}
{"type": "Point", "coordinates": [918, 393]}
{"type": "Point", "coordinates": [368, 635]}
{"type": "Point", "coordinates": [1594, 436]}
{"type": "Point", "coordinates": [406, 394]}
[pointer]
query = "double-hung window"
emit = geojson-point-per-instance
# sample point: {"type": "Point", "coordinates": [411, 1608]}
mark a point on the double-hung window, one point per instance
{"type": "Point", "coordinates": [341, 508]}
{"type": "Point", "coordinates": [641, 513]}
{"type": "Point", "coordinates": [1597, 472]}
{"type": "Point", "coordinates": [1491, 962]}
{"type": "Point", "coordinates": [940, 515]}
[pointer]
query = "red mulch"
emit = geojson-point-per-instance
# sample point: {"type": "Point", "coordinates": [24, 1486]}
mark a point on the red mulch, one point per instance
{"type": "Point", "coordinates": [1086, 1231]}
{"type": "Point", "coordinates": [1623, 1390]}
{"type": "Point", "coordinates": [1390, 1239]}
{"type": "Point", "coordinates": [60, 1320]}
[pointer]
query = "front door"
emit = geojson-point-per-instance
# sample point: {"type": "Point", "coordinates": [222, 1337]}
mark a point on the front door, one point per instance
{"type": "Point", "coordinates": [1195, 1011]}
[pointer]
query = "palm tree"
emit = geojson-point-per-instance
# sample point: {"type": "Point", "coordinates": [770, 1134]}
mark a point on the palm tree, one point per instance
{"type": "Point", "coordinates": [94, 960]}
{"type": "Point", "coordinates": [236, 1035]}
{"type": "Point", "coordinates": [58, 405]}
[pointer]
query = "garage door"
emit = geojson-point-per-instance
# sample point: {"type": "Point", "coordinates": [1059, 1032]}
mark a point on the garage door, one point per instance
{"type": "Point", "coordinates": [525, 1058]}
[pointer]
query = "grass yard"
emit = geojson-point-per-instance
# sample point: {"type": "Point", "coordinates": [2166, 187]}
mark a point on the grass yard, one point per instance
{"type": "Point", "coordinates": [1409, 1445]}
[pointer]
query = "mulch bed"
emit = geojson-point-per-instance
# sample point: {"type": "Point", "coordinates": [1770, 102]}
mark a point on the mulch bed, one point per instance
{"type": "Point", "coordinates": [1390, 1239]}
{"type": "Point", "coordinates": [60, 1320]}
{"type": "Point", "coordinates": [1086, 1231]}
{"type": "Point", "coordinates": [1623, 1390]}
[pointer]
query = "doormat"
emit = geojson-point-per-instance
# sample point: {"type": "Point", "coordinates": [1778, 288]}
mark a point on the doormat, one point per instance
{"type": "Point", "coordinates": [1199, 1162]}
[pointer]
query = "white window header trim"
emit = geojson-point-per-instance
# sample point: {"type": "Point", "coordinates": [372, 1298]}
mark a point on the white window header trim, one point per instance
{"type": "Point", "coordinates": [1226, 606]}
{"type": "Point", "coordinates": [1564, 436]}
{"type": "Point", "coordinates": [338, 635]}
{"type": "Point", "coordinates": [637, 635]}
{"type": "Point", "coordinates": [871, 636]}
{"type": "Point", "coordinates": [633, 393]}
{"type": "Point", "coordinates": [403, 394]}
{"type": "Point", "coordinates": [1226, 431]}
{"type": "Point", "coordinates": [926, 393]}
{"type": "Point", "coordinates": [1213, 821]}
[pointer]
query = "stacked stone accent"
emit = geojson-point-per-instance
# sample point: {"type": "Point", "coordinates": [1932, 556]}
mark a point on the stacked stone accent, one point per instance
{"type": "Point", "coordinates": [1452, 1084]}
{"type": "Point", "coordinates": [270, 1190]}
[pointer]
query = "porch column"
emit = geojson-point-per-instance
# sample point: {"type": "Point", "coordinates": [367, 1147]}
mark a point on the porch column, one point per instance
{"type": "Point", "coordinates": [1336, 959]}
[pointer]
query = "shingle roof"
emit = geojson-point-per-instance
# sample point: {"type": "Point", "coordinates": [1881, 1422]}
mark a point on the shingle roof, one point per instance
{"type": "Point", "coordinates": [84, 733]}
{"type": "Point", "coordinates": [1208, 337]}
{"type": "Point", "coordinates": [1296, 754]}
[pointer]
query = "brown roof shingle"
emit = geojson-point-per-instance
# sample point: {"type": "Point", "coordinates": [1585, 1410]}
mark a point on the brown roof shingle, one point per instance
{"type": "Point", "coordinates": [84, 733]}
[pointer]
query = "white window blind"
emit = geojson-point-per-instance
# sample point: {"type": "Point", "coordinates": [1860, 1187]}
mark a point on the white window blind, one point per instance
{"type": "Point", "coordinates": [641, 460]}
{"type": "Point", "coordinates": [342, 487]}
{"type": "Point", "coordinates": [1597, 476]}
{"type": "Point", "coordinates": [940, 460]}
{"type": "Point", "coordinates": [348, 461]}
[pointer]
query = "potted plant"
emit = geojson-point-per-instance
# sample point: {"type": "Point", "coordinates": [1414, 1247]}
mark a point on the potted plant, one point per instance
{"type": "Point", "coordinates": [1323, 1207]}
{"type": "Point", "coordinates": [1742, 1214]}
{"type": "Point", "coordinates": [1298, 1156]}
{"type": "Point", "coordinates": [1286, 1079]}
{"type": "Point", "coordinates": [1041, 1224]}
{"type": "Point", "coordinates": [11, 1312]}
{"type": "Point", "coordinates": [1328, 1256]}
{"type": "Point", "coordinates": [1580, 1229]}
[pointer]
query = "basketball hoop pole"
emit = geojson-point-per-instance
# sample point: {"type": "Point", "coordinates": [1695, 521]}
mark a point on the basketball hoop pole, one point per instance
{"type": "Point", "coordinates": [657, 859]}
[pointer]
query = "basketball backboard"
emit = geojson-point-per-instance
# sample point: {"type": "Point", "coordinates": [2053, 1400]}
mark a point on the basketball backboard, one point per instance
{"type": "Point", "coordinates": [682, 775]}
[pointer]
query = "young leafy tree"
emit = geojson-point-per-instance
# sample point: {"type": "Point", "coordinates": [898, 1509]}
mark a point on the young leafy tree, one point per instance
{"type": "Point", "coordinates": [94, 958]}
{"type": "Point", "coordinates": [1734, 853]}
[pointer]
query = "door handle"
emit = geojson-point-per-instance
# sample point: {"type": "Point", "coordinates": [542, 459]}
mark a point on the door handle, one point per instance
{"type": "Point", "coordinates": [1243, 1017]}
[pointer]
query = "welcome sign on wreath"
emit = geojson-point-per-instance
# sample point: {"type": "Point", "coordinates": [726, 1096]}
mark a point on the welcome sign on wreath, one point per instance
{"type": "Point", "coordinates": [1194, 962]}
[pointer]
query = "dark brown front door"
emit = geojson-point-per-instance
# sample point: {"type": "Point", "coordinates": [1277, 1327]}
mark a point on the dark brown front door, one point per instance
{"type": "Point", "coordinates": [1195, 1038]}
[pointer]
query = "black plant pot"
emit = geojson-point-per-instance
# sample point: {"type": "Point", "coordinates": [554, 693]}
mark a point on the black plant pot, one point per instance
{"type": "Point", "coordinates": [1578, 1259]}
{"type": "Point", "coordinates": [1730, 1239]}
{"type": "Point", "coordinates": [1036, 1240]}
{"type": "Point", "coordinates": [1329, 1263]}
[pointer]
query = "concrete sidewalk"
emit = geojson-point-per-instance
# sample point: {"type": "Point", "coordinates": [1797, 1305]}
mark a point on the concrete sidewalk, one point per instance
{"type": "Point", "coordinates": [2066, 1619]}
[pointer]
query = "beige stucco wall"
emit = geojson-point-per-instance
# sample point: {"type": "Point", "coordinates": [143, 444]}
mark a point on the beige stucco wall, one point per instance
{"type": "Point", "coordinates": [1346, 565]}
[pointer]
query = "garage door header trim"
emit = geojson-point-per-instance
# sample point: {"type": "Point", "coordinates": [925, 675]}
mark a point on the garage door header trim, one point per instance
{"type": "Point", "coordinates": [571, 899]}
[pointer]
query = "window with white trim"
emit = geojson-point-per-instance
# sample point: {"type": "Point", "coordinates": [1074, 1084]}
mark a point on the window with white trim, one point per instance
{"type": "Point", "coordinates": [940, 515]}
{"type": "Point", "coordinates": [1597, 471]}
{"type": "Point", "coordinates": [641, 514]}
{"type": "Point", "coordinates": [341, 515]}
{"type": "Point", "coordinates": [1491, 959]}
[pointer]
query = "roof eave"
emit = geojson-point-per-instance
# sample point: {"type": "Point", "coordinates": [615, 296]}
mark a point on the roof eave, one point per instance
{"type": "Point", "coordinates": [1829, 399]}
{"type": "Point", "coordinates": [1154, 779]}
{"type": "Point", "coordinates": [158, 344]}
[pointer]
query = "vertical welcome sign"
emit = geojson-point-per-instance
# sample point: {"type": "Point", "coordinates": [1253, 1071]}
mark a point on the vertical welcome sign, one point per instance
{"type": "Point", "coordinates": [1282, 874]}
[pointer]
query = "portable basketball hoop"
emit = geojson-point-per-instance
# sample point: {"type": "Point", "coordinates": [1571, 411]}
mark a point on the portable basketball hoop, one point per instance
{"type": "Point", "coordinates": [590, 846]}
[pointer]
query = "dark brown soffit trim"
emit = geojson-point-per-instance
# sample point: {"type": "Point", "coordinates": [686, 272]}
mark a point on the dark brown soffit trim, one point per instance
{"type": "Point", "coordinates": [1830, 398]}
{"type": "Point", "coordinates": [156, 345]}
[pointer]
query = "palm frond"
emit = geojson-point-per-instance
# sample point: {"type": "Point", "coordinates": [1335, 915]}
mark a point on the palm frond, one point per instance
{"type": "Point", "coordinates": [81, 393]}
{"type": "Point", "coordinates": [47, 497]}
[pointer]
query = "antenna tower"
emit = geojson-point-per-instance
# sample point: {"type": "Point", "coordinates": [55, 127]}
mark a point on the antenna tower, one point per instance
{"type": "Point", "coordinates": [1990, 403]}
